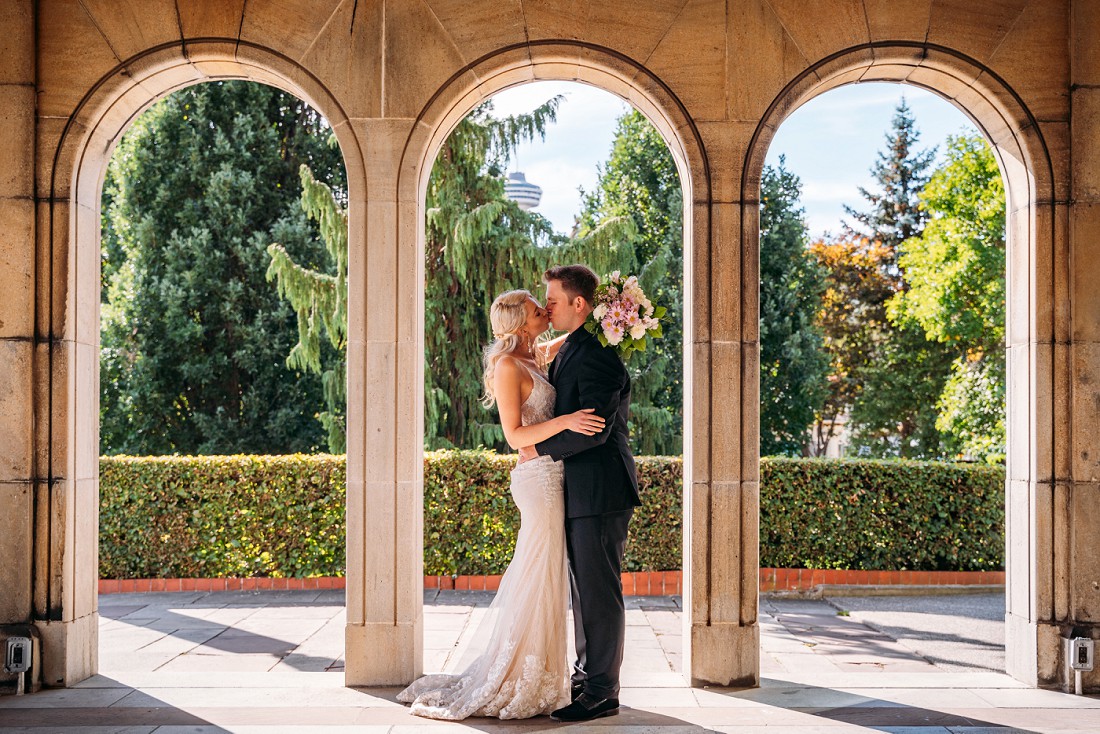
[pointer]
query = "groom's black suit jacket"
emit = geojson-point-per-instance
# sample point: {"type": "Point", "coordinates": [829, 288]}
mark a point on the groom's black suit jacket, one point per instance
{"type": "Point", "coordinates": [599, 470]}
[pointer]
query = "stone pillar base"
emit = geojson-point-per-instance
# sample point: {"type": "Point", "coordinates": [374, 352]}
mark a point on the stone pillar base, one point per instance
{"type": "Point", "coordinates": [1035, 654]}
{"type": "Point", "coordinates": [70, 650]}
{"type": "Point", "coordinates": [383, 654]}
{"type": "Point", "coordinates": [723, 655]}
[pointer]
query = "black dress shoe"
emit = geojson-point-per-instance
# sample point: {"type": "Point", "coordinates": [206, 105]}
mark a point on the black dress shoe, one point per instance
{"type": "Point", "coordinates": [575, 690]}
{"type": "Point", "coordinates": [587, 707]}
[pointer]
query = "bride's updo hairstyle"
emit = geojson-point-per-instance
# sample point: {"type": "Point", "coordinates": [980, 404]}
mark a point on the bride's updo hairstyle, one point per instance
{"type": "Point", "coordinates": [507, 315]}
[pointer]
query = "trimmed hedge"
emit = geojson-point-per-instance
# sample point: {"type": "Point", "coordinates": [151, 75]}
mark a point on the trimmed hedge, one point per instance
{"type": "Point", "coordinates": [881, 515]}
{"type": "Point", "coordinates": [470, 521]}
{"type": "Point", "coordinates": [219, 516]}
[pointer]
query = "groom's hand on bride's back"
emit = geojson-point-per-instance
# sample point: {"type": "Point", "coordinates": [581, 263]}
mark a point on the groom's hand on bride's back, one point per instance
{"type": "Point", "coordinates": [584, 421]}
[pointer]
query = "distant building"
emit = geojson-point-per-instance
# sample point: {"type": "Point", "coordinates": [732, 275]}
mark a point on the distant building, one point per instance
{"type": "Point", "coordinates": [521, 191]}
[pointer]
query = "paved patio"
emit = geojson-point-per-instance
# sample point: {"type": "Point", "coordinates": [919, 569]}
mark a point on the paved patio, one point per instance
{"type": "Point", "coordinates": [272, 662]}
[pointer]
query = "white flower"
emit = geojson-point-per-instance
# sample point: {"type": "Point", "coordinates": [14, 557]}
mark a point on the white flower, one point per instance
{"type": "Point", "coordinates": [615, 276]}
{"type": "Point", "coordinates": [599, 312]}
{"type": "Point", "coordinates": [615, 335]}
{"type": "Point", "coordinates": [638, 330]}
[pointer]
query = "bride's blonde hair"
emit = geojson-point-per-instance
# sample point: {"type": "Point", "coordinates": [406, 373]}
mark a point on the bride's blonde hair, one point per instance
{"type": "Point", "coordinates": [507, 315]}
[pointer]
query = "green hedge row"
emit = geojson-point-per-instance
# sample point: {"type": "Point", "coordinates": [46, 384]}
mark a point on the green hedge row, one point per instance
{"type": "Point", "coordinates": [470, 521]}
{"type": "Point", "coordinates": [219, 516]}
{"type": "Point", "coordinates": [888, 515]}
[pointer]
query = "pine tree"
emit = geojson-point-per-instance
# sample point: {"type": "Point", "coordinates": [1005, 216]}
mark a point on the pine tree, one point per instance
{"type": "Point", "coordinates": [901, 173]}
{"type": "Point", "coordinates": [639, 184]}
{"type": "Point", "coordinates": [793, 364]}
{"type": "Point", "coordinates": [194, 339]}
{"type": "Point", "coordinates": [899, 382]}
{"type": "Point", "coordinates": [479, 244]}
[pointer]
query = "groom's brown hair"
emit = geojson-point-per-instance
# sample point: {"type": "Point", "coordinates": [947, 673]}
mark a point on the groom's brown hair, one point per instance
{"type": "Point", "coordinates": [576, 280]}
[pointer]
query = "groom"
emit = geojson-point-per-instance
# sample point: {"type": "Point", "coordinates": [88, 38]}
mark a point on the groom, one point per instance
{"type": "Point", "coordinates": [601, 491]}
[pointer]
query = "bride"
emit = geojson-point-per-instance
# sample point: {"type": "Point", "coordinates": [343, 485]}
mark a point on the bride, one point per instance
{"type": "Point", "coordinates": [523, 670]}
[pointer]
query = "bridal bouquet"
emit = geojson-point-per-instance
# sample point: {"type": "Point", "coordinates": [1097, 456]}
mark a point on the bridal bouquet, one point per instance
{"type": "Point", "coordinates": [624, 317]}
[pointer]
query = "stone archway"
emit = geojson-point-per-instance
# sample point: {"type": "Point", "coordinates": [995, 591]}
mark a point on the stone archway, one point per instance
{"type": "Point", "coordinates": [388, 75]}
{"type": "Point", "coordinates": [65, 589]}
{"type": "Point", "coordinates": [710, 593]}
{"type": "Point", "coordinates": [1035, 507]}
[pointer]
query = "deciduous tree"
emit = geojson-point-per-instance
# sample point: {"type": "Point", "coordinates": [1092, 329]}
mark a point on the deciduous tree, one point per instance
{"type": "Point", "coordinates": [956, 295]}
{"type": "Point", "coordinates": [893, 413]}
{"type": "Point", "coordinates": [640, 185]}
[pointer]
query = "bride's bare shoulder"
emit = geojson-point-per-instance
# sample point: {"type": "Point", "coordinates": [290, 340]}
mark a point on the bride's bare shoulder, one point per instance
{"type": "Point", "coordinates": [510, 369]}
{"type": "Point", "coordinates": [508, 363]}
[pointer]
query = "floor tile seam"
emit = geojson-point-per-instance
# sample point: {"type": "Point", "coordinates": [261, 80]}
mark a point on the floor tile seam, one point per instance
{"type": "Point", "coordinates": [1074, 703]}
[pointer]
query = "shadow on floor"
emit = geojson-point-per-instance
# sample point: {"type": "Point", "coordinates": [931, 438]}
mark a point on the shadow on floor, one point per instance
{"type": "Point", "coordinates": [101, 710]}
{"type": "Point", "coordinates": [229, 639]}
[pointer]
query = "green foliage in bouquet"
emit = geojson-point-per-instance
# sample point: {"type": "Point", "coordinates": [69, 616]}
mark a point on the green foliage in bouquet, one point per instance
{"type": "Point", "coordinates": [623, 316]}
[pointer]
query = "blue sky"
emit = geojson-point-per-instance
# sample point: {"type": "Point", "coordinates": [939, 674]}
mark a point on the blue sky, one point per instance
{"type": "Point", "coordinates": [830, 143]}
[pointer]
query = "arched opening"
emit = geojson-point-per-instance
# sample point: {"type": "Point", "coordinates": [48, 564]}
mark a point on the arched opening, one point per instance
{"type": "Point", "coordinates": [614, 74]}
{"type": "Point", "coordinates": [70, 424]}
{"type": "Point", "coordinates": [1032, 370]}
{"type": "Point", "coordinates": [204, 225]}
{"type": "Point", "coordinates": [884, 204]}
{"type": "Point", "coordinates": [384, 632]}
{"type": "Point", "coordinates": [628, 218]}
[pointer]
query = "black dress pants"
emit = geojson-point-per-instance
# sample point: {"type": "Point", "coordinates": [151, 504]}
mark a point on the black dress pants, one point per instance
{"type": "Point", "coordinates": [596, 544]}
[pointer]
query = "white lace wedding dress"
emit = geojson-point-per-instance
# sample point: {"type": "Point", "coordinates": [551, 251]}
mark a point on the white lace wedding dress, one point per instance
{"type": "Point", "coordinates": [523, 670]}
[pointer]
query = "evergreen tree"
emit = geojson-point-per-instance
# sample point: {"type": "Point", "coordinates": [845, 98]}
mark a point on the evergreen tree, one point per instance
{"type": "Point", "coordinates": [479, 244]}
{"type": "Point", "coordinates": [194, 340]}
{"type": "Point", "coordinates": [793, 365]}
{"type": "Point", "coordinates": [321, 303]}
{"type": "Point", "coordinates": [901, 172]}
{"type": "Point", "coordinates": [895, 415]}
{"type": "Point", "coordinates": [899, 383]}
{"type": "Point", "coordinates": [639, 183]}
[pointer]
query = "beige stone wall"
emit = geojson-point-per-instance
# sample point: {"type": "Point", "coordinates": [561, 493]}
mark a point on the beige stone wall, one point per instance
{"type": "Point", "coordinates": [17, 294]}
{"type": "Point", "coordinates": [717, 77]}
{"type": "Point", "coordinates": [1075, 508]}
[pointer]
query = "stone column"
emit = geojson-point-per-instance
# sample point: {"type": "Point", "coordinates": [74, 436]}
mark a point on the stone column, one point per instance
{"type": "Point", "coordinates": [66, 411]}
{"type": "Point", "coordinates": [1075, 541]}
{"type": "Point", "coordinates": [721, 493]}
{"type": "Point", "coordinates": [17, 335]}
{"type": "Point", "coordinates": [384, 638]}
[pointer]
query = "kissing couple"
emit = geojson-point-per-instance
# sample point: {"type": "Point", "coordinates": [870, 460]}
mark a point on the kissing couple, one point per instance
{"type": "Point", "coordinates": [576, 488]}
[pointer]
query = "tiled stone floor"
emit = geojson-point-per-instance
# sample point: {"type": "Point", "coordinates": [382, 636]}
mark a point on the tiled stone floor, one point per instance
{"type": "Point", "coordinates": [272, 662]}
